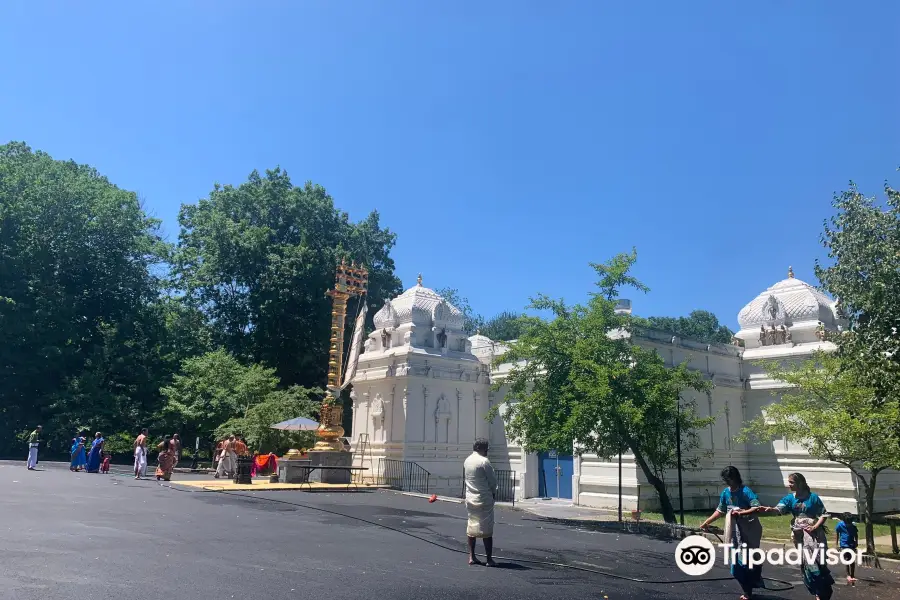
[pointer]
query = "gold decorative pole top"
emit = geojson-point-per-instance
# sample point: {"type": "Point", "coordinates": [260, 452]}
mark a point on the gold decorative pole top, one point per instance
{"type": "Point", "coordinates": [349, 281]}
{"type": "Point", "coordinates": [419, 280]}
{"type": "Point", "coordinates": [790, 272]}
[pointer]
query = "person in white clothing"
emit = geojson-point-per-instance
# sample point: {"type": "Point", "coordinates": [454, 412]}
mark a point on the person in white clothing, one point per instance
{"type": "Point", "coordinates": [34, 441]}
{"type": "Point", "coordinates": [227, 459]}
{"type": "Point", "coordinates": [140, 455]}
{"type": "Point", "coordinates": [481, 491]}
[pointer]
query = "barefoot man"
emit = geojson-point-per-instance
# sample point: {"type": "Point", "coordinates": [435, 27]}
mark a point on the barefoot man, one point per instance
{"type": "Point", "coordinates": [140, 455]}
{"type": "Point", "coordinates": [481, 488]}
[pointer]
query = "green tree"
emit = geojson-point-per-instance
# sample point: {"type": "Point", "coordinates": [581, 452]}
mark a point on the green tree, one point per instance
{"type": "Point", "coordinates": [863, 243]}
{"type": "Point", "coordinates": [78, 272]}
{"type": "Point", "coordinates": [503, 327]}
{"type": "Point", "coordinates": [700, 325]}
{"type": "Point", "coordinates": [836, 417]}
{"type": "Point", "coordinates": [278, 406]}
{"type": "Point", "coordinates": [214, 388]}
{"type": "Point", "coordinates": [257, 260]}
{"type": "Point", "coordinates": [472, 321]}
{"type": "Point", "coordinates": [578, 379]}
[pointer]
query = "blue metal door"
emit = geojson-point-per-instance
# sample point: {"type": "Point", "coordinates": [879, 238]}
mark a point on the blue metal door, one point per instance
{"type": "Point", "coordinates": [556, 475]}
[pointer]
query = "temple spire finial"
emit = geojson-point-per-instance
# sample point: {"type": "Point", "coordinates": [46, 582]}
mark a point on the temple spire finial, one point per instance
{"type": "Point", "coordinates": [790, 272]}
{"type": "Point", "coordinates": [419, 280]}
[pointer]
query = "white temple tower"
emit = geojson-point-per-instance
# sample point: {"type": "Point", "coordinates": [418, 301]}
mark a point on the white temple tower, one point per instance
{"type": "Point", "coordinates": [419, 392]}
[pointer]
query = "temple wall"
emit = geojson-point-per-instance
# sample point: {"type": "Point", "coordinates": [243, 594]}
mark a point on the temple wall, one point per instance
{"type": "Point", "coordinates": [765, 467]}
{"type": "Point", "coordinates": [422, 394]}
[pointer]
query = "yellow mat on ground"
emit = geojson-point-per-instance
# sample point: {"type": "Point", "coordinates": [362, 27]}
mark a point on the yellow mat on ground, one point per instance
{"type": "Point", "coordinates": [265, 486]}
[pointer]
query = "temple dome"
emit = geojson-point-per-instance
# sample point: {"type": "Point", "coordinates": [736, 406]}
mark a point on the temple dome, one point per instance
{"type": "Point", "coordinates": [789, 302]}
{"type": "Point", "coordinates": [419, 306]}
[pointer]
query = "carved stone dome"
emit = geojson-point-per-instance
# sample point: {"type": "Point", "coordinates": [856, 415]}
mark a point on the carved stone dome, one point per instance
{"type": "Point", "coordinates": [789, 302]}
{"type": "Point", "coordinates": [420, 306]}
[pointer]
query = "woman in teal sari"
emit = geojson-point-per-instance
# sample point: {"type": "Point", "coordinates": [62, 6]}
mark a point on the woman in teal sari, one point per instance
{"type": "Point", "coordinates": [96, 455]}
{"type": "Point", "coordinates": [79, 457]}
{"type": "Point", "coordinates": [738, 504]}
{"type": "Point", "coordinates": [808, 527]}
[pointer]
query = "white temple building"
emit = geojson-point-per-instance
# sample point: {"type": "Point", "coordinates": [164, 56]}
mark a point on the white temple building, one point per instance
{"type": "Point", "coordinates": [422, 391]}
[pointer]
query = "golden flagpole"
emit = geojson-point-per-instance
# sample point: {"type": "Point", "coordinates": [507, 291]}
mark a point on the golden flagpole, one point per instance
{"type": "Point", "coordinates": [349, 281]}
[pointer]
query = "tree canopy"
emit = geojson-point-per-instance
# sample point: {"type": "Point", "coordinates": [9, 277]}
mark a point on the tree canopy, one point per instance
{"type": "Point", "coordinates": [107, 327]}
{"type": "Point", "coordinates": [472, 321]}
{"type": "Point", "coordinates": [827, 410]}
{"type": "Point", "coordinates": [257, 260]}
{"type": "Point", "coordinates": [700, 325]}
{"type": "Point", "coordinates": [579, 380]}
{"type": "Point", "coordinates": [81, 321]}
{"type": "Point", "coordinates": [503, 327]}
{"type": "Point", "coordinates": [863, 244]}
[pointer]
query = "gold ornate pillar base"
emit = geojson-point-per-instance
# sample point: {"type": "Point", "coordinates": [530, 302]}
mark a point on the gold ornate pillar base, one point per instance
{"type": "Point", "coordinates": [330, 430]}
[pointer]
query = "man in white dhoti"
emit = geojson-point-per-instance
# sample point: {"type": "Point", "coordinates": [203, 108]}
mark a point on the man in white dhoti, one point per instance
{"type": "Point", "coordinates": [481, 489]}
{"type": "Point", "coordinates": [140, 455]}
{"type": "Point", "coordinates": [34, 441]}
{"type": "Point", "coordinates": [227, 459]}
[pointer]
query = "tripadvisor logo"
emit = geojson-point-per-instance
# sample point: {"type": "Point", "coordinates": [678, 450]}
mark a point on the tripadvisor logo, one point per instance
{"type": "Point", "coordinates": [695, 555]}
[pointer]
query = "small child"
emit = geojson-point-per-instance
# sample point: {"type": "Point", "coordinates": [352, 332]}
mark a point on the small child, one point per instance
{"type": "Point", "coordinates": [848, 537]}
{"type": "Point", "coordinates": [104, 467]}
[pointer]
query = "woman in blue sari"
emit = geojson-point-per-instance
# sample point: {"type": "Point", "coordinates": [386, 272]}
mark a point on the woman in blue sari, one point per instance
{"type": "Point", "coordinates": [808, 532]}
{"type": "Point", "coordinates": [79, 457]}
{"type": "Point", "coordinates": [738, 504]}
{"type": "Point", "coordinates": [96, 455]}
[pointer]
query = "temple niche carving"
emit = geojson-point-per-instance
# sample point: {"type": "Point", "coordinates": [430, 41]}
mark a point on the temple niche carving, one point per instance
{"type": "Point", "coordinates": [442, 416]}
{"type": "Point", "coordinates": [378, 409]}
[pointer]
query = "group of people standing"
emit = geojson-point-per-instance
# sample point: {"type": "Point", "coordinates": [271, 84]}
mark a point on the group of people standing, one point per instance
{"type": "Point", "coordinates": [226, 454]}
{"type": "Point", "coordinates": [169, 455]}
{"type": "Point", "coordinates": [739, 505]}
{"type": "Point", "coordinates": [93, 460]}
{"type": "Point", "coordinates": [82, 458]}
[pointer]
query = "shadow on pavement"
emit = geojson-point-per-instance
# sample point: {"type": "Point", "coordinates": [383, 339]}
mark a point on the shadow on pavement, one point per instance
{"type": "Point", "coordinates": [511, 566]}
{"type": "Point", "coordinates": [655, 531]}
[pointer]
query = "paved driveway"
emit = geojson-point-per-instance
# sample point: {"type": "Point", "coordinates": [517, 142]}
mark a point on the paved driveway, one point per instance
{"type": "Point", "coordinates": [71, 535]}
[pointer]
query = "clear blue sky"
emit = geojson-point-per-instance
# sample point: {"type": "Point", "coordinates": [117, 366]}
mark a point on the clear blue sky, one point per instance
{"type": "Point", "coordinates": [508, 143]}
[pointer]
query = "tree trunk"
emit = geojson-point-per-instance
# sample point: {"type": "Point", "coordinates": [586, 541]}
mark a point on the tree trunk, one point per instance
{"type": "Point", "coordinates": [665, 504]}
{"type": "Point", "coordinates": [870, 510]}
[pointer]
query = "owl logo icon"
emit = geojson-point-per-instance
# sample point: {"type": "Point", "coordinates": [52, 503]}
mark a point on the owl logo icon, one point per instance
{"type": "Point", "coordinates": [695, 555]}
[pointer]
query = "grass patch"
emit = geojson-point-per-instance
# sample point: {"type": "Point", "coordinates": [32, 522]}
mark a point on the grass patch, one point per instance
{"type": "Point", "coordinates": [778, 527]}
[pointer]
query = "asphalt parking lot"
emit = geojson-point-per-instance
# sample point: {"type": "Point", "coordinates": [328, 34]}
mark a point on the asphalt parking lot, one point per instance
{"type": "Point", "coordinates": [107, 536]}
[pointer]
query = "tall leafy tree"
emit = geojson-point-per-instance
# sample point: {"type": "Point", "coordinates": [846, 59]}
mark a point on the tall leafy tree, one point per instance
{"type": "Point", "coordinates": [214, 388]}
{"type": "Point", "coordinates": [830, 412]}
{"type": "Point", "coordinates": [257, 260]}
{"type": "Point", "coordinates": [472, 321]}
{"type": "Point", "coordinates": [503, 327]}
{"type": "Point", "coordinates": [578, 379]}
{"type": "Point", "coordinates": [700, 325]}
{"type": "Point", "coordinates": [78, 258]}
{"type": "Point", "coordinates": [863, 243]}
{"type": "Point", "coordinates": [280, 405]}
